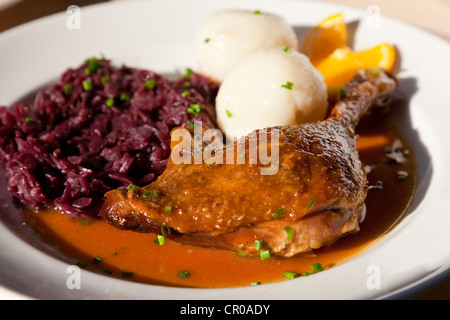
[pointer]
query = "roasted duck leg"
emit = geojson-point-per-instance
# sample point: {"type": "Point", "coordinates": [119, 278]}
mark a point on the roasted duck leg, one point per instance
{"type": "Point", "coordinates": [316, 196]}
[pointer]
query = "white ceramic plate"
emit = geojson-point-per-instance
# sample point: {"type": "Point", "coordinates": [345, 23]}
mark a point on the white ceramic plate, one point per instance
{"type": "Point", "coordinates": [159, 35]}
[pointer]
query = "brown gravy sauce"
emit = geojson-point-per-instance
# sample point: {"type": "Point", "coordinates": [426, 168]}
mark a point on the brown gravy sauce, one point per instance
{"type": "Point", "coordinates": [99, 247]}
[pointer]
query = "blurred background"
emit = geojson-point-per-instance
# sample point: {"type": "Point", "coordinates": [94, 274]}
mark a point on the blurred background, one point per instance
{"type": "Point", "coordinates": [431, 15]}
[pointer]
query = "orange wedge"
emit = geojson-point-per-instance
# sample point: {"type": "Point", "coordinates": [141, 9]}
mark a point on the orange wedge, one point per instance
{"type": "Point", "coordinates": [322, 40]}
{"type": "Point", "coordinates": [340, 66]}
{"type": "Point", "coordinates": [381, 56]}
{"type": "Point", "coordinates": [326, 47]}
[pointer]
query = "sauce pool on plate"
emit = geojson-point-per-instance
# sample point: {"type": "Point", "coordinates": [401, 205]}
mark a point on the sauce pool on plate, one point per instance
{"type": "Point", "coordinates": [95, 245]}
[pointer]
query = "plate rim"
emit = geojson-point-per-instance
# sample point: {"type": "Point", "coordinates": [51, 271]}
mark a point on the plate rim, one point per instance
{"type": "Point", "coordinates": [22, 28]}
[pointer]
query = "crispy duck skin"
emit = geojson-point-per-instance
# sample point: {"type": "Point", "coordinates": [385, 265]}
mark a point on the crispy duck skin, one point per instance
{"type": "Point", "coordinates": [320, 186]}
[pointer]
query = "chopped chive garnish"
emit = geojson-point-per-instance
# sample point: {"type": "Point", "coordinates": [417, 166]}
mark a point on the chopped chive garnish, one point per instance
{"type": "Point", "coordinates": [92, 65]}
{"type": "Point", "coordinates": [241, 254]}
{"type": "Point", "coordinates": [229, 114]}
{"type": "Point", "coordinates": [402, 175]}
{"type": "Point", "coordinates": [28, 119]}
{"type": "Point", "coordinates": [289, 232]}
{"type": "Point", "coordinates": [68, 89]}
{"type": "Point", "coordinates": [87, 85]}
{"type": "Point", "coordinates": [257, 12]}
{"type": "Point", "coordinates": [255, 283]}
{"type": "Point", "coordinates": [150, 84]}
{"type": "Point", "coordinates": [286, 48]}
{"type": "Point", "coordinates": [85, 222]}
{"type": "Point", "coordinates": [97, 259]}
{"type": "Point", "coordinates": [206, 40]}
{"type": "Point", "coordinates": [264, 254]}
{"type": "Point", "coordinates": [109, 102]}
{"type": "Point", "coordinates": [168, 208]}
{"type": "Point", "coordinates": [190, 123]}
{"type": "Point", "coordinates": [195, 108]}
{"type": "Point", "coordinates": [279, 212]}
{"type": "Point", "coordinates": [125, 97]}
{"type": "Point", "coordinates": [186, 93]}
{"type": "Point", "coordinates": [311, 204]}
{"type": "Point", "coordinates": [184, 274]}
{"type": "Point", "coordinates": [375, 70]}
{"type": "Point", "coordinates": [378, 185]}
{"type": "Point", "coordinates": [132, 186]}
{"type": "Point", "coordinates": [188, 73]}
{"type": "Point", "coordinates": [389, 149]}
{"type": "Point", "coordinates": [317, 267]}
{"type": "Point", "coordinates": [165, 230]}
{"type": "Point", "coordinates": [128, 274]}
{"type": "Point", "coordinates": [258, 245]}
{"type": "Point", "coordinates": [290, 275]}
{"type": "Point", "coordinates": [106, 79]}
{"type": "Point", "coordinates": [288, 85]}
{"type": "Point", "coordinates": [152, 194]}
{"type": "Point", "coordinates": [342, 94]}
{"type": "Point", "coordinates": [160, 240]}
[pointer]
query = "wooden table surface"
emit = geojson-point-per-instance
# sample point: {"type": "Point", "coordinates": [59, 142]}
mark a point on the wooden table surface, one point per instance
{"type": "Point", "coordinates": [432, 15]}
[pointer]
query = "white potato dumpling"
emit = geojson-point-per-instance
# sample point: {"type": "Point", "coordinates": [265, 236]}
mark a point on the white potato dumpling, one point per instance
{"type": "Point", "coordinates": [227, 37]}
{"type": "Point", "coordinates": [271, 87]}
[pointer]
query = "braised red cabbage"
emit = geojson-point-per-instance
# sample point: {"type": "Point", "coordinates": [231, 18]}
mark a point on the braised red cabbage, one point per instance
{"type": "Point", "coordinates": [99, 127]}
